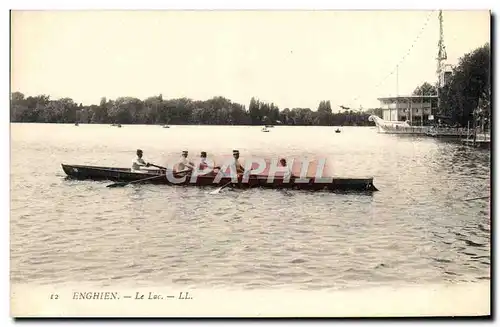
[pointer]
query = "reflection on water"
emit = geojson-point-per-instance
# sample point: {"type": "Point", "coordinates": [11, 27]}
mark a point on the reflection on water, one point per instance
{"type": "Point", "coordinates": [417, 229]}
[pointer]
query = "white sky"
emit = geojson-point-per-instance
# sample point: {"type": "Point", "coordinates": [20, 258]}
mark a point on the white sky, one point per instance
{"type": "Point", "coordinates": [292, 58]}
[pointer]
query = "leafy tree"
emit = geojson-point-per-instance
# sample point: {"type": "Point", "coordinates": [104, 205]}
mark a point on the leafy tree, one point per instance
{"type": "Point", "coordinates": [469, 87]}
{"type": "Point", "coordinates": [425, 89]}
{"type": "Point", "coordinates": [324, 113]}
{"type": "Point", "coordinates": [254, 111]}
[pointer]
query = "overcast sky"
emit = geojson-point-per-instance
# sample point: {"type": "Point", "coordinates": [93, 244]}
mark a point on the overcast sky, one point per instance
{"type": "Point", "coordinates": [291, 58]}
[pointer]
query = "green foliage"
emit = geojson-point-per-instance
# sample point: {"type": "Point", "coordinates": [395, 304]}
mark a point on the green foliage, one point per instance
{"type": "Point", "coordinates": [158, 110]}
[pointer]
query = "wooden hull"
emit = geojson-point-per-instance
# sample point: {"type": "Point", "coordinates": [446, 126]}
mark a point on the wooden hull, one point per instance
{"type": "Point", "coordinates": [126, 175]}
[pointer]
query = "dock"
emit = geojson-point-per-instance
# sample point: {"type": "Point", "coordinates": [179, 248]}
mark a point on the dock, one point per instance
{"type": "Point", "coordinates": [482, 140]}
{"type": "Point", "coordinates": [447, 132]}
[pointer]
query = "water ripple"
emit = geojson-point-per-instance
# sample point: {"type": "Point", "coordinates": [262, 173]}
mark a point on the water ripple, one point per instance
{"type": "Point", "coordinates": [413, 230]}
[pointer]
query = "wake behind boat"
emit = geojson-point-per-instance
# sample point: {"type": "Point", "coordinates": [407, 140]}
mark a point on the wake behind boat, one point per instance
{"type": "Point", "coordinates": [99, 173]}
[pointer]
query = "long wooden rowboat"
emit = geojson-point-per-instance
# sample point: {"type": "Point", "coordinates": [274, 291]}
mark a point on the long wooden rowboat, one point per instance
{"type": "Point", "coordinates": [126, 175]}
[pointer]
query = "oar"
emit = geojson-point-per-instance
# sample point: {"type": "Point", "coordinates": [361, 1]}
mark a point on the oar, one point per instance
{"type": "Point", "coordinates": [160, 167]}
{"type": "Point", "coordinates": [136, 181]}
{"type": "Point", "coordinates": [141, 180]}
{"type": "Point", "coordinates": [185, 171]}
{"type": "Point", "coordinates": [217, 191]}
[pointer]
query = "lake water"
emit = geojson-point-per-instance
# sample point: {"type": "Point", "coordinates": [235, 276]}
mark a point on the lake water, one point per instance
{"type": "Point", "coordinates": [416, 230]}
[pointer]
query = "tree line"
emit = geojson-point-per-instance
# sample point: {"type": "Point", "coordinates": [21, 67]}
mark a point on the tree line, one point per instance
{"type": "Point", "coordinates": [182, 111]}
{"type": "Point", "coordinates": [467, 92]}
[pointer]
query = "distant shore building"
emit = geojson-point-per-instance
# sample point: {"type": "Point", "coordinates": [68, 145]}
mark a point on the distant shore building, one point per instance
{"type": "Point", "coordinates": [415, 109]}
{"type": "Point", "coordinates": [418, 114]}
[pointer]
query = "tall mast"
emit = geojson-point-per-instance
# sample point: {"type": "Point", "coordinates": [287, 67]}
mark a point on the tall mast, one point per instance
{"type": "Point", "coordinates": [440, 57]}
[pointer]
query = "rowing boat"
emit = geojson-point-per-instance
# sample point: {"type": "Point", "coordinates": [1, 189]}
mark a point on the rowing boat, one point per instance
{"type": "Point", "coordinates": [308, 183]}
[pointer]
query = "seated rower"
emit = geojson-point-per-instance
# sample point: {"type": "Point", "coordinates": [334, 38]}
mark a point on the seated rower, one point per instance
{"type": "Point", "coordinates": [138, 163]}
{"type": "Point", "coordinates": [287, 170]}
{"type": "Point", "coordinates": [203, 162]}
{"type": "Point", "coordinates": [184, 164]}
{"type": "Point", "coordinates": [239, 168]}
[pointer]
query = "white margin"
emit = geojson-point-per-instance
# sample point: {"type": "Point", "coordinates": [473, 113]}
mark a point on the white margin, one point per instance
{"type": "Point", "coordinates": [186, 4]}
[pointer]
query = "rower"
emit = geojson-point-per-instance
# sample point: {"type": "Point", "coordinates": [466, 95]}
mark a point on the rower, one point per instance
{"type": "Point", "coordinates": [203, 162]}
{"type": "Point", "coordinates": [184, 163]}
{"type": "Point", "coordinates": [288, 171]}
{"type": "Point", "coordinates": [239, 168]}
{"type": "Point", "coordinates": [139, 162]}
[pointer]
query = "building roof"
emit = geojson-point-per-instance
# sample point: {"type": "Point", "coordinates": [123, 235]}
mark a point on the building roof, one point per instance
{"type": "Point", "coordinates": [407, 97]}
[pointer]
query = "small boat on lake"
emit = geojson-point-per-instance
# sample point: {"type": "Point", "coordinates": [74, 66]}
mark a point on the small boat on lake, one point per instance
{"type": "Point", "coordinates": [337, 130]}
{"type": "Point", "coordinates": [166, 126]}
{"type": "Point", "coordinates": [264, 129]}
{"type": "Point", "coordinates": [96, 173]}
